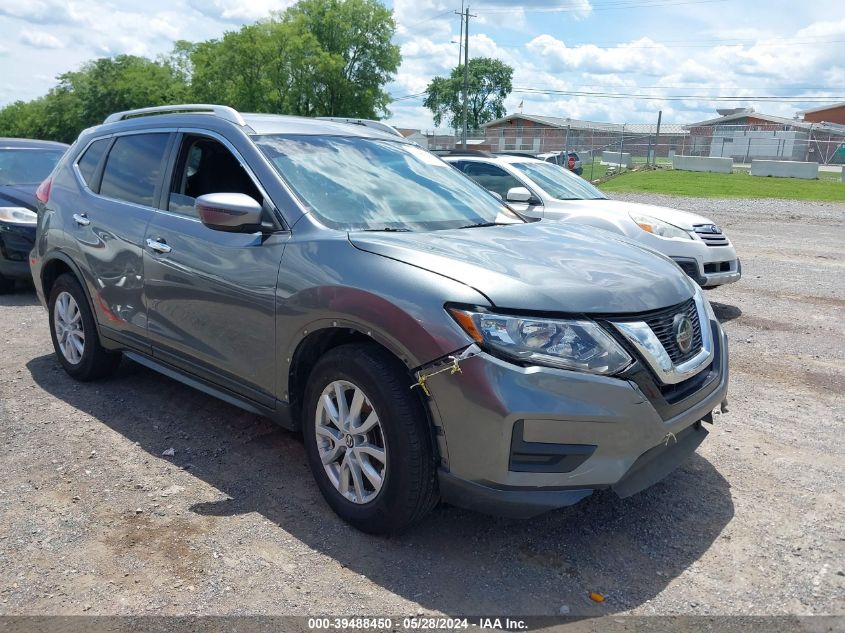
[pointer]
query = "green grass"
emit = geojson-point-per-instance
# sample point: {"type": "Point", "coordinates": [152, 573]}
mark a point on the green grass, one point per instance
{"type": "Point", "coordinates": [736, 185]}
{"type": "Point", "coordinates": [595, 171]}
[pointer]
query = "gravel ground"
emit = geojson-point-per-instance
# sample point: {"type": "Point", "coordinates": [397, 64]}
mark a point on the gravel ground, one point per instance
{"type": "Point", "coordinates": [94, 519]}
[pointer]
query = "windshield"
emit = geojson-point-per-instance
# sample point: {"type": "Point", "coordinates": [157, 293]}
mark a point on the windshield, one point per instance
{"type": "Point", "coordinates": [372, 184]}
{"type": "Point", "coordinates": [559, 183]}
{"type": "Point", "coordinates": [23, 166]}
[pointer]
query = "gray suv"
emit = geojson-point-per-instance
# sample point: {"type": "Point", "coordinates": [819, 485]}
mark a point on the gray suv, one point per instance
{"type": "Point", "coordinates": [428, 342]}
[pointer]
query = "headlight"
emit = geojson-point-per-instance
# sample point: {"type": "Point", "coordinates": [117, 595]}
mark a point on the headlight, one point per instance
{"type": "Point", "coordinates": [18, 215]}
{"type": "Point", "coordinates": [658, 227]}
{"type": "Point", "coordinates": [579, 345]}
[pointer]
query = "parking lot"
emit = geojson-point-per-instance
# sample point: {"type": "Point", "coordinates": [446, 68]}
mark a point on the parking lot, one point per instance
{"type": "Point", "coordinates": [94, 519]}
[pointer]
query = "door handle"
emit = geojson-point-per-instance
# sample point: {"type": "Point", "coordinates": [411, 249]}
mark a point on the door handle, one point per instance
{"type": "Point", "coordinates": [158, 245]}
{"type": "Point", "coordinates": [81, 219]}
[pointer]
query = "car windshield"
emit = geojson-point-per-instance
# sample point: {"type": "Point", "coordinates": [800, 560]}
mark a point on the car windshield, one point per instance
{"type": "Point", "coordinates": [24, 166]}
{"type": "Point", "coordinates": [353, 183]}
{"type": "Point", "coordinates": [558, 182]}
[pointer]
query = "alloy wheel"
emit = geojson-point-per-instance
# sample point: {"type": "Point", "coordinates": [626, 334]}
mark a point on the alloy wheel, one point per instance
{"type": "Point", "coordinates": [67, 323]}
{"type": "Point", "coordinates": [350, 442]}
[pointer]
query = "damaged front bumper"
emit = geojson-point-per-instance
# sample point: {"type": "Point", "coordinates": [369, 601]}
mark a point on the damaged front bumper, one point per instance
{"type": "Point", "coordinates": [519, 441]}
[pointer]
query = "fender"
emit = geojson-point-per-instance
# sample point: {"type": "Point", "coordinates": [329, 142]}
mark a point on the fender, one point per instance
{"type": "Point", "coordinates": [399, 331]}
{"type": "Point", "coordinates": [65, 259]}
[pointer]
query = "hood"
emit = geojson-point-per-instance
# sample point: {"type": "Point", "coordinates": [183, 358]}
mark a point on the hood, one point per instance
{"type": "Point", "coordinates": [542, 266]}
{"type": "Point", "coordinates": [18, 196]}
{"type": "Point", "coordinates": [681, 219]}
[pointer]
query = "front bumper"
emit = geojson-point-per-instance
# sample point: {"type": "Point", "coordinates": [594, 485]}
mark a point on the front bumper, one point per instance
{"type": "Point", "coordinates": [711, 274]}
{"type": "Point", "coordinates": [708, 265]}
{"type": "Point", "coordinates": [583, 432]}
{"type": "Point", "coordinates": [15, 244]}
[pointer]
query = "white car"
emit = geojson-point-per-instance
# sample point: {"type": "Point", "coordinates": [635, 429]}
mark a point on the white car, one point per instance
{"type": "Point", "coordinates": [544, 190]}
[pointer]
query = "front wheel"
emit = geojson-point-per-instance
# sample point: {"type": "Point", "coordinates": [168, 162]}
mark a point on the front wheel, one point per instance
{"type": "Point", "coordinates": [74, 332]}
{"type": "Point", "coordinates": [368, 440]}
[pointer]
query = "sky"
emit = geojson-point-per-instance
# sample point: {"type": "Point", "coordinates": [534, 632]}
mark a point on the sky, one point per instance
{"type": "Point", "coordinates": [688, 55]}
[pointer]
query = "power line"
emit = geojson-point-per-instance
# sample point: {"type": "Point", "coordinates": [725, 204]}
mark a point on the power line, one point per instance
{"type": "Point", "coordinates": [715, 43]}
{"type": "Point", "coordinates": [610, 6]}
{"type": "Point", "coordinates": [630, 95]}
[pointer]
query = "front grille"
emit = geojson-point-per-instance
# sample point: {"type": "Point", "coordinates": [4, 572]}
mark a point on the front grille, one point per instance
{"type": "Point", "coordinates": [710, 234]}
{"type": "Point", "coordinates": [661, 324]}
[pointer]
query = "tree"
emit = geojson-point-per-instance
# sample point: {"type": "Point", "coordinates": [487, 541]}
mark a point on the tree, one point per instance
{"type": "Point", "coordinates": [278, 65]}
{"type": "Point", "coordinates": [86, 97]}
{"type": "Point", "coordinates": [317, 58]}
{"type": "Point", "coordinates": [357, 35]}
{"type": "Point", "coordinates": [490, 82]}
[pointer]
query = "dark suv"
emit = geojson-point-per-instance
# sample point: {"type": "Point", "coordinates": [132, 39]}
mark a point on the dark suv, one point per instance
{"type": "Point", "coordinates": [429, 342]}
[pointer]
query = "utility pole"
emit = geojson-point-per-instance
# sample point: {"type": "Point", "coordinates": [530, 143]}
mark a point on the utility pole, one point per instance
{"type": "Point", "coordinates": [656, 138]}
{"type": "Point", "coordinates": [461, 38]}
{"type": "Point", "coordinates": [466, 16]}
{"type": "Point", "coordinates": [621, 146]}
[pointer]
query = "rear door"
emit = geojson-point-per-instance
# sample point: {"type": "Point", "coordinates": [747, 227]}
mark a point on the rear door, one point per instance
{"type": "Point", "coordinates": [122, 179]}
{"type": "Point", "coordinates": [211, 295]}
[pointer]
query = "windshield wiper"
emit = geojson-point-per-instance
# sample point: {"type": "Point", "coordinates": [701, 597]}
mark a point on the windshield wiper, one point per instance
{"type": "Point", "coordinates": [483, 224]}
{"type": "Point", "coordinates": [387, 229]}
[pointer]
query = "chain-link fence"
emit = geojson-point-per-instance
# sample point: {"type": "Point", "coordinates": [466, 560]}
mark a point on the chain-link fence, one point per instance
{"type": "Point", "coordinates": [603, 147]}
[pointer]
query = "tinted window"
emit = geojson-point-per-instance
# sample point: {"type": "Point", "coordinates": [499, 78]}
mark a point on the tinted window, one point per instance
{"type": "Point", "coordinates": [25, 166]}
{"type": "Point", "coordinates": [90, 160]}
{"type": "Point", "coordinates": [133, 168]}
{"type": "Point", "coordinates": [206, 166]}
{"type": "Point", "coordinates": [492, 178]}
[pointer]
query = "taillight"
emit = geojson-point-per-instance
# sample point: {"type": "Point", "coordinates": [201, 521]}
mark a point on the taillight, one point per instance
{"type": "Point", "coordinates": [43, 191]}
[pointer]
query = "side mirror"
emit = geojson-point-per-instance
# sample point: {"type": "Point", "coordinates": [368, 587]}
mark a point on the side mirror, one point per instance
{"type": "Point", "coordinates": [228, 211]}
{"type": "Point", "coordinates": [519, 194]}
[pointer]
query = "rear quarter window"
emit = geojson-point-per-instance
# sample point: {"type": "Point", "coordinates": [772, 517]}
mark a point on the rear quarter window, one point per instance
{"type": "Point", "coordinates": [90, 160]}
{"type": "Point", "coordinates": [133, 168]}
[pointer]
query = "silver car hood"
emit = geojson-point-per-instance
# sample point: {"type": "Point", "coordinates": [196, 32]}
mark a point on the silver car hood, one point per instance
{"type": "Point", "coordinates": [681, 219]}
{"type": "Point", "coordinates": [541, 266]}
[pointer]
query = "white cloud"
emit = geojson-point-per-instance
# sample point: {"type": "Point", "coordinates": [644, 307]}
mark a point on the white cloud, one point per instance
{"type": "Point", "coordinates": [40, 39]}
{"type": "Point", "coordinates": [239, 10]}
{"type": "Point", "coordinates": [643, 56]}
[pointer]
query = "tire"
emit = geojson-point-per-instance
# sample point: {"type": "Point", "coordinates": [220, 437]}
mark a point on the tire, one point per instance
{"type": "Point", "coordinates": [77, 326]}
{"type": "Point", "coordinates": [408, 489]}
{"type": "Point", "coordinates": [6, 285]}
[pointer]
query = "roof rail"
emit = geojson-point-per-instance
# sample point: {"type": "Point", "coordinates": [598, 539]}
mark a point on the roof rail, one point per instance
{"type": "Point", "coordinates": [223, 112]}
{"type": "Point", "coordinates": [517, 153]}
{"type": "Point", "coordinates": [375, 125]}
{"type": "Point", "coordinates": [465, 152]}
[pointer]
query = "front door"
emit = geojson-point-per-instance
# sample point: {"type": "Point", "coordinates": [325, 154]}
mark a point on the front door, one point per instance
{"type": "Point", "coordinates": [211, 295]}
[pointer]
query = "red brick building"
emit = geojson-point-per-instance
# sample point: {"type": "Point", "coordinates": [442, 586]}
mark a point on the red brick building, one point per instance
{"type": "Point", "coordinates": [828, 114]}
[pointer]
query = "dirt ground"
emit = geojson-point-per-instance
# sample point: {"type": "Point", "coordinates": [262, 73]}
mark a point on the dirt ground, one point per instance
{"type": "Point", "coordinates": [94, 519]}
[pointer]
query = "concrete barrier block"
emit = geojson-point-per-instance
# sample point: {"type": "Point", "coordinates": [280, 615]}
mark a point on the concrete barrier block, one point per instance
{"type": "Point", "coordinates": [785, 169]}
{"type": "Point", "coordinates": [616, 158]}
{"type": "Point", "coordinates": [702, 163]}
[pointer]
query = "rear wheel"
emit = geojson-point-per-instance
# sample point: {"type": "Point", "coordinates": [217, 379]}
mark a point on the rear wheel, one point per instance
{"type": "Point", "coordinates": [74, 332]}
{"type": "Point", "coordinates": [368, 440]}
